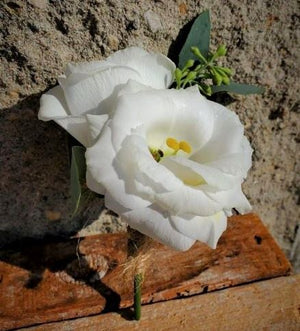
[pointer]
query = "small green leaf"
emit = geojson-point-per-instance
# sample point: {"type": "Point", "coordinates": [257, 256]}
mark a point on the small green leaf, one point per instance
{"type": "Point", "coordinates": [238, 89]}
{"type": "Point", "coordinates": [78, 175]}
{"type": "Point", "coordinates": [198, 36]}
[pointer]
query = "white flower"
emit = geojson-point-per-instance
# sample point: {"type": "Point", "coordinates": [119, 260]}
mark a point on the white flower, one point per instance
{"type": "Point", "coordinates": [87, 89]}
{"type": "Point", "coordinates": [171, 164]}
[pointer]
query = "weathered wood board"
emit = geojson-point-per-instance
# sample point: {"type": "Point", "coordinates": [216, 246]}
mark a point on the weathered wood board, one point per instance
{"type": "Point", "coordinates": [43, 282]}
{"type": "Point", "coordinates": [266, 305]}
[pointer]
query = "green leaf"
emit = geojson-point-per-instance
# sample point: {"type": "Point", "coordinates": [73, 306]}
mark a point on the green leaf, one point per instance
{"type": "Point", "coordinates": [238, 89]}
{"type": "Point", "coordinates": [78, 176]}
{"type": "Point", "coordinates": [198, 36]}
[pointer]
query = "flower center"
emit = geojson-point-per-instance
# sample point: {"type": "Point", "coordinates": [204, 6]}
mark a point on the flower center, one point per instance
{"type": "Point", "coordinates": [174, 145]}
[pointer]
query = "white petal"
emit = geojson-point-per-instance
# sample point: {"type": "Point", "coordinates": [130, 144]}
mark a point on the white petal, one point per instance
{"type": "Point", "coordinates": [87, 84]}
{"type": "Point", "coordinates": [93, 185]}
{"type": "Point", "coordinates": [99, 158]}
{"type": "Point", "coordinates": [112, 204]}
{"type": "Point", "coordinates": [154, 224]}
{"type": "Point", "coordinates": [85, 67]}
{"type": "Point", "coordinates": [247, 151]}
{"type": "Point", "coordinates": [118, 191]}
{"type": "Point", "coordinates": [95, 124]}
{"type": "Point", "coordinates": [156, 70]}
{"type": "Point", "coordinates": [161, 75]}
{"type": "Point", "coordinates": [53, 105]}
{"type": "Point", "coordinates": [205, 229]}
{"type": "Point", "coordinates": [236, 164]}
{"type": "Point", "coordinates": [84, 92]}
{"type": "Point", "coordinates": [77, 126]}
{"type": "Point", "coordinates": [188, 201]}
{"type": "Point", "coordinates": [132, 87]}
{"type": "Point", "coordinates": [104, 170]}
{"type": "Point", "coordinates": [227, 135]}
{"type": "Point", "coordinates": [194, 174]}
{"type": "Point", "coordinates": [233, 198]}
{"type": "Point", "coordinates": [127, 55]}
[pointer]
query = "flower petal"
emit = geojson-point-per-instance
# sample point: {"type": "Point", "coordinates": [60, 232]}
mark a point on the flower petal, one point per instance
{"type": "Point", "coordinates": [132, 87]}
{"type": "Point", "coordinates": [236, 164]}
{"type": "Point", "coordinates": [95, 125]}
{"type": "Point", "coordinates": [205, 229]}
{"type": "Point", "coordinates": [233, 198]}
{"type": "Point", "coordinates": [127, 55]}
{"type": "Point", "coordinates": [247, 151]}
{"type": "Point", "coordinates": [195, 174]}
{"type": "Point", "coordinates": [111, 204]}
{"type": "Point", "coordinates": [84, 92]}
{"type": "Point", "coordinates": [93, 185]}
{"type": "Point", "coordinates": [187, 200]}
{"type": "Point", "coordinates": [226, 138]}
{"type": "Point", "coordinates": [156, 70]}
{"type": "Point", "coordinates": [77, 126]}
{"type": "Point", "coordinates": [85, 67]}
{"type": "Point", "coordinates": [154, 224]}
{"type": "Point", "coordinates": [53, 105]}
{"type": "Point", "coordinates": [103, 168]}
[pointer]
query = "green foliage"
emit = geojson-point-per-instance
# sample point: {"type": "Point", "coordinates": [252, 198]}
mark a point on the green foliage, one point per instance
{"type": "Point", "coordinates": [197, 65]}
{"type": "Point", "coordinates": [238, 89]}
{"type": "Point", "coordinates": [199, 36]}
{"type": "Point", "coordinates": [202, 71]}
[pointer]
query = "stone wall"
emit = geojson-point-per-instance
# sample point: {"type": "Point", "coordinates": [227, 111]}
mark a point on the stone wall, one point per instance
{"type": "Point", "coordinates": [37, 39]}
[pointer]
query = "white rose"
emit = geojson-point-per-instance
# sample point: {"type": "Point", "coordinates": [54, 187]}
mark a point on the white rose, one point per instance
{"type": "Point", "coordinates": [87, 89]}
{"type": "Point", "coordinates": [171, 164]}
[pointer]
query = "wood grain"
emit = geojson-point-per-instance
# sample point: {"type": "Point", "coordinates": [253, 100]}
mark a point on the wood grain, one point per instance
{"type": "Point", "coordinates": [43, 282]}
{"type": "Point", "coordinates": [267, 305]}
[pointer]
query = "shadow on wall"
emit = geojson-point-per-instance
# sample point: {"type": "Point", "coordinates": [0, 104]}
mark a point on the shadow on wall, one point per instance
{"type": "Point", "coordinates": [35, 178]}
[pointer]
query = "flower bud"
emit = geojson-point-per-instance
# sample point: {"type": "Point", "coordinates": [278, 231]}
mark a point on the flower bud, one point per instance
{"type": "Point", "coordinates": [227, 71]}
{"type": "Point", "coordinates": [226, 80]}
{"type": "Point", "coordinates": [189, 64]}
{"type": "Point", "coordinates": [178, 74]}
{"type": "Point", "coordinates": [196, 51]}
{"type": "Point", "coordinates": [207, 89]}
{"type": "Point", "coordinates": [217, 79]}
{"type": "Point", "coordinates": [221, 51]}
{"type": "Point", "coordinates": [191, 76]}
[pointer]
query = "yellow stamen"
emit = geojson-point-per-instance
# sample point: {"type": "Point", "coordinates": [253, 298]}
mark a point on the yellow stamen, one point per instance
{"type": "Point", "coordinates": [185, 146]}
{"type": "Point", "coordinates": [173, 143]}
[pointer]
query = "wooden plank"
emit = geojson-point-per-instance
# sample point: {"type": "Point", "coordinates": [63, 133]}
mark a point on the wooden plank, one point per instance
{"type": "Point", "coordinates": [267, 305]}
{"type": "Point", "coordinates": [57, 281]}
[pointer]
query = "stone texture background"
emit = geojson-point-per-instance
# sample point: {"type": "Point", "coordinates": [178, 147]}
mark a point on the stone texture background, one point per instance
{"type": "Point", "coordinates": [37, 39]}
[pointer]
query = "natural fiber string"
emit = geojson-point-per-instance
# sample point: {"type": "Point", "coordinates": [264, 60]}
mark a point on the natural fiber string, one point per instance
{"type": "Point", "coordinates": [136, 265]}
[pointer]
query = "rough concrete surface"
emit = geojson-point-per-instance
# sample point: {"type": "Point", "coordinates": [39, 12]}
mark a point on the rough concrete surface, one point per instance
{"type": "Point", "coordinates": [38, 38]}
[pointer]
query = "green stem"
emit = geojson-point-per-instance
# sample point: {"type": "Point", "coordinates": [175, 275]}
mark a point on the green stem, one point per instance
{"type": "Point", "coordinates": [138, 280]}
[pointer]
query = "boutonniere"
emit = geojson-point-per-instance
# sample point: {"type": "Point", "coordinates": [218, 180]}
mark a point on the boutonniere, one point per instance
{"type": "Point", "coordinates": [167, 159]}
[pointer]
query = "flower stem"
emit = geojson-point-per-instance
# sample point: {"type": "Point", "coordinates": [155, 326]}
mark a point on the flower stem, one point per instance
{"type": "Point", "coordinates": [138, 280]}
